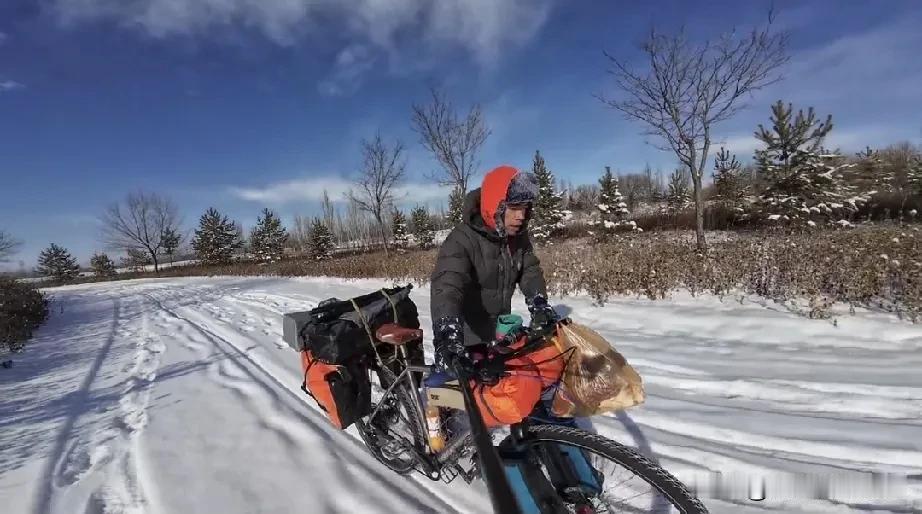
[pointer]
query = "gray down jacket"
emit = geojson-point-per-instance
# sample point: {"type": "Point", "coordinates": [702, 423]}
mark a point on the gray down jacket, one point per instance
{"type": "Point", "coordinates": [477, 271]}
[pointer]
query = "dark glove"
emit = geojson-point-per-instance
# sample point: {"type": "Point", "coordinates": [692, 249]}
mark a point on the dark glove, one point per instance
{"type": "Point", "coordinates": [543, 316]}
{"type": "Point", "coordinates": [448, 340]}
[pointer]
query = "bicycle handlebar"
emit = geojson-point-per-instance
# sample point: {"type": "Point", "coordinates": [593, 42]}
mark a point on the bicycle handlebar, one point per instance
{"type": "Point", "coordinates": [494, 362]}
{"type": "Point", "coordinates": [493, 366]}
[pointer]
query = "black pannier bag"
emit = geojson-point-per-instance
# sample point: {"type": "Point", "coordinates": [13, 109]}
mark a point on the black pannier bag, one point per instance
{"type": "Point", "coordinates": [336, 331]}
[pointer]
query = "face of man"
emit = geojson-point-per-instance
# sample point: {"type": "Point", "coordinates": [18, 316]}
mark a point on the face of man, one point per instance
{"type": "Point", "coordinates": [514, 219]}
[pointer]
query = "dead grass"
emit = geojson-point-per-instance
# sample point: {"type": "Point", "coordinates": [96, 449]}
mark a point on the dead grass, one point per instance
{"type": "Point", "coordinates": [874, 267]}
{"type": "Point", "coordinates": [877, 267]}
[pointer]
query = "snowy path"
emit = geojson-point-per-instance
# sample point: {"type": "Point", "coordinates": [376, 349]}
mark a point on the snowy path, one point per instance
{"type": "Point", "coordinates": [178, 395]}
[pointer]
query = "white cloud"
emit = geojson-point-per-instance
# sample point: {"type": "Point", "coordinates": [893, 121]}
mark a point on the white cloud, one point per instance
{"type": "Point", "coordinates": [876, 66]}
{"type": "Point", "coordinates": [485, 28]}
{"type": "Point", "coordinates": [743, 145]}
{"type": "Point", "coordinates": [311, 190]}
{"type": "Point", "coordinates": [411, 34]}
{"type": "Point", "coordinates": [9, 85]}
{"type": "Point", "coordinates": [352, 63]}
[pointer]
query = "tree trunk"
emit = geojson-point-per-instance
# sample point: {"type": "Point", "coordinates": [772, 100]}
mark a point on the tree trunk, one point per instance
{"type": "Point", "coordinates": [153, 257]}
{"type": "Point", "coordinates": [383, 237]}
{"type": "Point", "coordinates": [699, 210]}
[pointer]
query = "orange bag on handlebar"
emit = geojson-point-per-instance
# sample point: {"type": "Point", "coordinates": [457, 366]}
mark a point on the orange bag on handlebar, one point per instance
{"type": "Point", "coordinates": [514, 397]}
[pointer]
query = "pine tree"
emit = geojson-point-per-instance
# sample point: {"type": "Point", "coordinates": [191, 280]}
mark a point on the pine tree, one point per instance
{"type": "Point", "coordinates": [320, 244]}
{"type": "Point", "coordinates": [268, 237]}
{"type": "Point", "coordinates": [135, 259]}
{"type": "Point", "coordinates": [216, 239]}
{"type": "Point", "coordinates": [614, 215]}
{"type": "Point", "coordinates": [791, 145]}
{"type": "Point", "coordinates": [423, 230]}
{"type": "Point", "coordinates": [171, 240]}
{"type": "Point", "coordinates": [399, 228]}
{"type": "Point", "coordinates": [678, 197]}
{"type": "Point", "coordinates": [804, 179]}
{"type": "Point", "coordinates": [728, 182]}
{"type": "Point", "coordinates": [456, 206]}
{"type": "Point", "coordinates": [57, 263]}
{"type": "Point", "coordinates": [548, 216]}
{"type": "Point", "coordinates": [102, 265]}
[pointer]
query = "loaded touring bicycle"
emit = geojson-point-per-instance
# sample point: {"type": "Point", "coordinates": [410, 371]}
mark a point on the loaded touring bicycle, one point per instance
{"type": "Point", "coordinates": [497, 420]}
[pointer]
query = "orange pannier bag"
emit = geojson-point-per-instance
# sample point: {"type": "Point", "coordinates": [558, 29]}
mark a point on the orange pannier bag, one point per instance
{"type": "Point", "coordinates": [342, 391]}
{"type": "Point", "coordinates": [514, 397]}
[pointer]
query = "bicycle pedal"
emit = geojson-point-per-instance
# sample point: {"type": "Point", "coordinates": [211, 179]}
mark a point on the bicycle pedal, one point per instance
{"type": "Point", "coordinates": [470, 475]}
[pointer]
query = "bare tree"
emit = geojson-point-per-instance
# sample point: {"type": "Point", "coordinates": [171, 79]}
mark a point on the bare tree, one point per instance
{"type": "Point", "coordinates": [689, 88]}
{"type": "Point", "coordinates": [8, 246]}
{"type": "Point", "coordinates": [142, 224]}
{"type": "Point", "coordinates": [382, 170]}
{"type": "Point", "coordinates": [454, 142]}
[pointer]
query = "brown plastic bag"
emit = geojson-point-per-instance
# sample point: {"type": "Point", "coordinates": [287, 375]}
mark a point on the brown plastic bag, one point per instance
{"type": "Point", "coordinates": [597, 378]}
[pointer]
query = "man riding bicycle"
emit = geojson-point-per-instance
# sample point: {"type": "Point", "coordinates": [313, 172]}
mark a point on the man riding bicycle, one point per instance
{"type": "Point", "coordinates": [481, 262]}
{"type": "Point", "coordinates": [476, 273]}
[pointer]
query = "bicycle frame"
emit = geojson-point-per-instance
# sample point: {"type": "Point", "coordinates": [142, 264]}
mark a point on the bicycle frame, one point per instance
{"type": "Point", "coordinates": [491, 467]}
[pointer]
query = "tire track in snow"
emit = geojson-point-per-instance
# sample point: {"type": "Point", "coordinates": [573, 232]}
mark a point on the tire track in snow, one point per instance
{"type": "Point", "coordinates": [100, 469]}
{"type": "Point", "coordinates": [56, 467]}
{"type": "Point", "coordinates": [123, 490]}
{"type": "Point", "coordinates": [271, 384]}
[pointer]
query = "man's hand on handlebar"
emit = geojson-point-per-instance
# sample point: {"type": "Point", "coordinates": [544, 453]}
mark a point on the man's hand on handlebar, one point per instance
{"type": "Point", "coordinates": [543, 317]}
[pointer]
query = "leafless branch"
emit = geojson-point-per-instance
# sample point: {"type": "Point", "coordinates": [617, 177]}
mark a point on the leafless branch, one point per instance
{"type": "Point", "coordinates": [689, 88]}
{"type": "Point", "coordinates": [8, 246]}
{"type": "Point", "coordinates": [140, 224]}
{"type": "Point", "coordinates": [454, 142]}
{"type": "Point", "coordinates": [382, 171]}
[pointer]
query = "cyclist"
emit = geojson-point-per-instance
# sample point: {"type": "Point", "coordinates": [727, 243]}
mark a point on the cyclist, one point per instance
{"type": "Point", "coordinates": [477, 270]}
{"type": "Point", "coordinates": [480, 264]}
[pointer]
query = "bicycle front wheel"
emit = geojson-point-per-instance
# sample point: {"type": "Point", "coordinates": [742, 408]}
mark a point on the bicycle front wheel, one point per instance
{"type": "Point", "coordinates": [593, 474]}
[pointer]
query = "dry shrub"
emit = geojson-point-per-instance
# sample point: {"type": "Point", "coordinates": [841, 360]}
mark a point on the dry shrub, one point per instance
{"type": "Point", "coordinates": [890, 206]}
{"type": "Point", "coordinates": [22, 310]}
{"type": "Point", "coordinates": [876, 268]}
{"type": "Point", "coordinates": [716, 217]}
{"type": "Point", "coordinates": [413, 266]}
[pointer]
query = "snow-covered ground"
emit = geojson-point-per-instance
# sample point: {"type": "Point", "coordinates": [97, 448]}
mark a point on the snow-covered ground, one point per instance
{"type": "Point", "coordinates": [179, 396]}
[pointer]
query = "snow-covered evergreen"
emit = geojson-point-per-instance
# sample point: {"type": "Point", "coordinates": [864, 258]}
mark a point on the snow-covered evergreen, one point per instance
{"type": "Point", "coordinates": [268, 237]}
{"type": "Point", "coordinates": [102, 265]}
{"type": "Point", "coordinates": [456, 206]}
{"type": "Point", "coordinates": [216, 239]}
{"type": "Point", "coordinates": [135, 259]}
{"type": "Point", "coordinates": [678, 197]}
{"type": "Point", "coordinates": [806, 182]}
{"type": "Point", "coordinates": [423, 229]}
{"type": "Point", "coordinates": [170, 242]}
{"type": "Point", "coordinates": [399, 229]}
{"type": "Point", "coordinates": [613, 214]}
{"type": "Point", "coordinates": [320, 245]}
{"type": "Point", "coordinates": [548, 215]}
{"type": "Point", "coordinates": [57, 263]}
{"type": "Point", "coordinates": [729, 187]}
{"type": "Point", "coordinates": [870, 175]}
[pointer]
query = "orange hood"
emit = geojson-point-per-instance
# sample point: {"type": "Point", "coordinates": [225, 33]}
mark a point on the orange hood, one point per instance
{"type": "Point", "coordinates": [493, 192]}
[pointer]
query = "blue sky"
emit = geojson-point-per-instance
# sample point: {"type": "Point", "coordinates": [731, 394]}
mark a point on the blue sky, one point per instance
{"type": "Point", "coordinates": [241, 104]}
